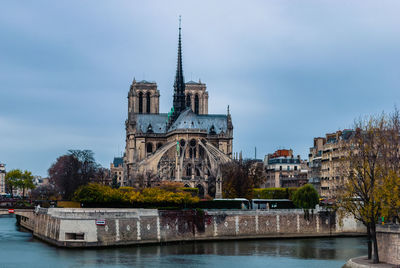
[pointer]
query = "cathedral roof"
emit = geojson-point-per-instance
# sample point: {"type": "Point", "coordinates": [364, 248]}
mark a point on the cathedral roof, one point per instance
{"type": "Point", "coordinates": [157, 121]}
{"type": "Point", "coordinates": [189, 120]}
{"type": "Point", "coordinates": [186, 120]}
{"type": "Point", "coordinates": [191, 82]}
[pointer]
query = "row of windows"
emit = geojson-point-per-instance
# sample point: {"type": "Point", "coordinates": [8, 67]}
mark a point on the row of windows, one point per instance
{"type": "Point", "coordinates": [196, 102]}
{"type": "Point", "coordinates": [284, 161]}
{"type": "Point", "coordinates": [288, 168]}
{"type": "Point", "coordinates": [149, 147]}
{"type": "Point", "coordinates": [148, 101]}
{"type": "Point", "coordinates": [192, 148]}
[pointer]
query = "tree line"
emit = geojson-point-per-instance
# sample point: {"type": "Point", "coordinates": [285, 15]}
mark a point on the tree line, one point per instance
{"type": "Point", "coordinates": [70, 171]}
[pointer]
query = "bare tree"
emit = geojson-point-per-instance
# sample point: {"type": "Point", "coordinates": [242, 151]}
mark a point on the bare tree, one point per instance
{"type": "Point", "coordinates": [240, 177]}
{"type": "Point", "coordinates": [72, 170]}
{"type": "Point", "coordinates": [371, 169]}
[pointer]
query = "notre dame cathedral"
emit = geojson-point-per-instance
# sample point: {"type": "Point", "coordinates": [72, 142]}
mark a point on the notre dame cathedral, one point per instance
{"type": "Point", "coordinates": [186, 144]}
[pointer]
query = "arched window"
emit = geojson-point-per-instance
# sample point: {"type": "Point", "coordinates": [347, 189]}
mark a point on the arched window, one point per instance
{"type": "Point", "coordinates": [141, 102]}
{"type": "Point", "coordinates": [159, 145]}
{"type": "Point", "coordinates": [201, 152]}
{"type": "Point", "coordinates": [196, 104]}
{"type": "Point", "coordinates": [189, 170]}
{"type": "Point", "coordinates": [201, 190]}
{"type": "Point", "coordinates": [188, 100]}
{"type": "Point", "coordinates": [192, 143]}
{"type": "Point", "coordinates": [149, 147]}
{"type": "Point", "coordinates": [148, 102]}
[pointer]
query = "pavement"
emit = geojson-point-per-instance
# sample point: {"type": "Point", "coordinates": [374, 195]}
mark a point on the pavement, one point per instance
{"type": "Point", "coordinates": [363, 262]}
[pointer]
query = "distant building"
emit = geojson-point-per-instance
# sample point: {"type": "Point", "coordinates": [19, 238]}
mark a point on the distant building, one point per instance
{"type": "Point", "coordinates": [117, 169]}
{"type": "Point", "coordinates": [2, 178]}
{"type": "Point", "coordinates": [331, 163]}
{"type": "Point", "coordinates": [326, 162]}
{"type": "Point", "coordinates": [39, 181]}
{"type": "Point", "coordinates": [314, 163]}
{"type": "Point", "coordinates": [285, 170]}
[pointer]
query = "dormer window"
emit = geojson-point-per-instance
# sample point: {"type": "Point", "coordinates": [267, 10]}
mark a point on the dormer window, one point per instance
{"type": "Point", "coordinates": [212, 130]}
{"type": "Point", "coordinates": [150, 129]}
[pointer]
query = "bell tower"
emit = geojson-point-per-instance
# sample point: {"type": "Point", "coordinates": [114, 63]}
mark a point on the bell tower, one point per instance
{"type": "Point", "coordinates": [143, 98]}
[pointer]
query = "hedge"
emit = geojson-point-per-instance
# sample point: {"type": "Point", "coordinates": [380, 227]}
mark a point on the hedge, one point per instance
{"type": "Point", "coordinates": [273, 193]}
{"type": "Point", "coordinates": [193, 191]}
{"type": "Point", "coordinates": [102, 195]}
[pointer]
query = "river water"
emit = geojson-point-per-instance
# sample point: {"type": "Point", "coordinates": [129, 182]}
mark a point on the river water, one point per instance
{"type": "Point", "coordinates": [18, 248]}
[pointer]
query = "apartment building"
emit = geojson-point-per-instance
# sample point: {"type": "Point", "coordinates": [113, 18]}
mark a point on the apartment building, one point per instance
{"type": "Point", "coordinates": [284, 170]}
{"type": "Point", "coordinates": [326, 162]}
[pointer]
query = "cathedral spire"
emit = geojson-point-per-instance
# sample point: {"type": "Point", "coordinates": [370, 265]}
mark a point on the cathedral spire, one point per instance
{"type": "Point", "coordinates": [179, 85]}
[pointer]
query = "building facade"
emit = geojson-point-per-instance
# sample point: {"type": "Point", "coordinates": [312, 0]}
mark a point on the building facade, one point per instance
{"type": "Point", "coordinates": [284, 170]}
{"type": "Point", "coordinates": [314, 163]}
{"type": "Point", "coordinates": [2, 178]}
{"type": "Point", "coordinates": [117, 170]}
{"type": "Point", "coordinates": [327, 163]}
{"type": "Point", "coordinates": [186, 144]}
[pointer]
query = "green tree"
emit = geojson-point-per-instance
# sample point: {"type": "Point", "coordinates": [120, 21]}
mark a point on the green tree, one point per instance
{"type": "Point", "coordinates": [26, 182]}
{"type": "Point", "coordinates": [16, 179]}
{"type": "Point", "coordinates": [306, 197]}
{"type": "Point", "coordinates": [12, 180]}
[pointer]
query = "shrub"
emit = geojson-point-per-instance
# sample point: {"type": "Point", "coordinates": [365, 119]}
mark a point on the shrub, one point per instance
{"type": "Point", "coordinates": [306, 197]}
{"type": "Point", "coordinates": [271, 193]}
{"type": "Point", "coordinates": [171, 186]}
{"type": "Point", "coordinates": [94, 193]}
{"type": "Point", "coordinates": [193, 191]}
{"type": "Point", "coordinates": [291, 192]}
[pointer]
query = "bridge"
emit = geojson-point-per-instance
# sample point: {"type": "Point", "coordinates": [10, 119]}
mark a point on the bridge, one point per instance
{"type": "Point", "coordinates": [4, 211]}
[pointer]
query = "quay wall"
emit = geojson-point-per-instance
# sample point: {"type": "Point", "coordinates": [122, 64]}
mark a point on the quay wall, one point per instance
{"type": "Point", "coordinates": [76, 227]}
{"type": "Point", "coordinates": [388, 238]}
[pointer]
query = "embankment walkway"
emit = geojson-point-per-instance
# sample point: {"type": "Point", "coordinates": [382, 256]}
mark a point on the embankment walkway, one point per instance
{"type": "Point", "coordinates": [83, 227]}
{"type": "Point", "coordinates": [363, 262]}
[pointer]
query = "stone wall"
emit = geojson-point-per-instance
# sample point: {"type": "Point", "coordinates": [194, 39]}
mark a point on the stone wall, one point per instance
{"type": "Point", "coordinates": [388, 237]}
{"type": "Point", "coordinates": [77, 227]}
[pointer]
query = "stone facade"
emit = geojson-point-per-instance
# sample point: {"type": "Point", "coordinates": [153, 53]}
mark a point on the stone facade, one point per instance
{"type": "Point", "coordinates": [106, 227]}
{"type": "Point", "coordinates": [388, 238]}
{"type": "Point", "coordinates": [2, 179]}
{"type": "Point", "coordinates": [186, 145]}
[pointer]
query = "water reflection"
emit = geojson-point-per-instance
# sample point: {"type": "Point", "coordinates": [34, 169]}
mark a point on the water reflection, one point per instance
{"type": "Point", "coordinates": [319, 252]}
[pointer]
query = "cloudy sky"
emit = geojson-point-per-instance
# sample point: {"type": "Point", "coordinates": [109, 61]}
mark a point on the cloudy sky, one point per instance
{"type": "Point", "coordinates": [290, 70]}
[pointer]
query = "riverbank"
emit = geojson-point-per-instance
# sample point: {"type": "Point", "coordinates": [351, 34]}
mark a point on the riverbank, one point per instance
{"type": "Point", "coordinates": [295, 252]}
{"type": "Point", "coordinates": [363, 262]}
{"type": "Point", "coordinates": [115, 227]}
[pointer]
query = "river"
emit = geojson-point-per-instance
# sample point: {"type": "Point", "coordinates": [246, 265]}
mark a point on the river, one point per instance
{"type": "Point", "coordinates": [18, 248]}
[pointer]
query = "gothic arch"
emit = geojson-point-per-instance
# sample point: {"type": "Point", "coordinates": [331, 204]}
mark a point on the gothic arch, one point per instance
{"type": "Point", "coordinates": [149, 147]}
{"type": "Point", "coordinates": [189, 170]}
{"type": "Point", "coordinates": [148, 102]}
{"type": "Point", "coordinates": [188, 100]}
{"type": "Point", "coordinates": [159, 145]}
{"type": "Point", "coordinates": [201, 190]}
{"type": "Point", "coordinates": [140, 102]}
{"type": "Point", "coordinates": [196, 104]}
